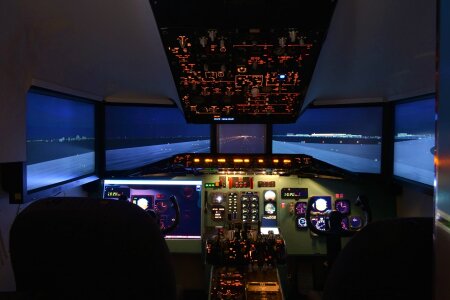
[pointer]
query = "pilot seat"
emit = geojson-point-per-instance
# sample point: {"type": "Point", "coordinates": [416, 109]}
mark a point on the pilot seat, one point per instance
{"type": "Point", "coordinates": [81, 248]}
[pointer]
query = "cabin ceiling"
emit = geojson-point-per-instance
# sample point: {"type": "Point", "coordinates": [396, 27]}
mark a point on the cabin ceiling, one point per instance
{"type": "Point", "coordinates": [375, 50]}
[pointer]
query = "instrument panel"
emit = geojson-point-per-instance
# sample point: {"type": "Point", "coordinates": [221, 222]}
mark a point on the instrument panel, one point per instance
{"type": "Point", "coordinates": [245, 201]}
{"type": "Point", "coordinates": [274, 201]}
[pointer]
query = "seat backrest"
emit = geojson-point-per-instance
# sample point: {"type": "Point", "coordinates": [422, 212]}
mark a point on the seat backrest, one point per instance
{"type": "Point", "coordinates": [391, 259]}
{"type": "Point", "coordinates": [81, 246]}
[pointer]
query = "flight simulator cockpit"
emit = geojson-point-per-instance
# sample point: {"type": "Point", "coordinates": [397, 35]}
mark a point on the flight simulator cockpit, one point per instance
{"type": "Point", "coordinates": [223, 150]}
{"type": "Point", "coordinates": [256, 202]}
{"type": "Point", "coordinates": [246, 214]}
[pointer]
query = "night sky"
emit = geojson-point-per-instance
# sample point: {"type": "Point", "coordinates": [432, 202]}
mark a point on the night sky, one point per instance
{"type": "Point", "coordinates": [149, 122]}
{"type": "Point", "coordinates": [353, 120]}
{"type": "Point", "coordinates": [416, 117]}
{"type": "Point", "coordinates": [52, 117]}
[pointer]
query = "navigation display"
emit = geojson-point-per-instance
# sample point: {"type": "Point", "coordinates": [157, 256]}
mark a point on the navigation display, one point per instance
{"type": "Point", "coordinates": [155, 194]}
{"type": "Point", "coordinates": [414, 145]}
{"type": "Point", "coordinates": [347, 137]}
{"type": "Point", "coordinates": [60, 139]}
{"type": "Point", "coordinates": [137, 136]}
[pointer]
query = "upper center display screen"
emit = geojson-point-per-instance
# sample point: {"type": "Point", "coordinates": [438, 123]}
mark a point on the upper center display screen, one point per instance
{"type": "Point", "coordinates": [241, 138]}
{"type": "Point", "coordinates": [347, 137]}
{"type": "Point", "coordinates": [137, 136]}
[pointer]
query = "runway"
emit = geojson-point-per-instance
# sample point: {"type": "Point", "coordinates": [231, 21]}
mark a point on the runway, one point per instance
{"type": "Point", "coordinates": [353, 157]}
{"type": "Point", "coordinates": [242, 144]}
{"type": "Point", "coordinates": [130, 158]}
{"type": "Point", "coordinates": [59, 170]}
{"type": "Point", "coordinates": [414, 160]}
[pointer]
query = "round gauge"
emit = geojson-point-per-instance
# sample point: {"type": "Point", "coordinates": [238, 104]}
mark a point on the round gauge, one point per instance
{"type": "Point", "coordinates": [142, 203]}
{"type": "Point", "coordinates": [269, 195]}
{"type": "Point", "coordinates": [188, 192]}
{"type": "Point", "coordinates": [320, 205]}
{"type": "Point", "coordinates": [161, 206]}
{"type": "Point", "coordinates": [244, 205]}
{"type": "Point", "coordinates": [355, 222]}
{"type": "Point", "coordinates": [343, 206]}
{"type": "Point", "coordinates": [254, 217]}
{"type": "Point", "coordinates": [255, 199]}
{"type": "Point", "coordinates": [319, 223]}
{"type": "Point", "coordinates": [218, 199]}
{"type": "Point", "coordinates": [254, 211]}
{"type": "Point", "coordinates": [301, 222]}
{"type": "Point", "coordinates": [270, 209]}
{"type": "Point", "coordinates": [300, 208]}
{"type": "Point", "coordinates": [253, 205]}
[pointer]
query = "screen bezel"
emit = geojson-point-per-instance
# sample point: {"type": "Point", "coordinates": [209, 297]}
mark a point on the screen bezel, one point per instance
{"type": "Point", "coordinates": [417, 185]}
{"type": "Point", "coordinates": [58, 187]}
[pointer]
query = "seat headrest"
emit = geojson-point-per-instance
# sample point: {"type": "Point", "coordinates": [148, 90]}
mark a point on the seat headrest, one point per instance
{"type": "Point", "coordinates": [85, 244]}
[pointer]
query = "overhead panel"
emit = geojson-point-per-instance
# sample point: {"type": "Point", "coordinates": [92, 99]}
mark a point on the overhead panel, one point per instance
{"type": "Point", "coordinates": [253, 69]}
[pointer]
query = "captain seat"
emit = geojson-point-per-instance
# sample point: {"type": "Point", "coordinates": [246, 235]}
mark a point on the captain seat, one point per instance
{"type": "Point", "coordinates": [82, 248]}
